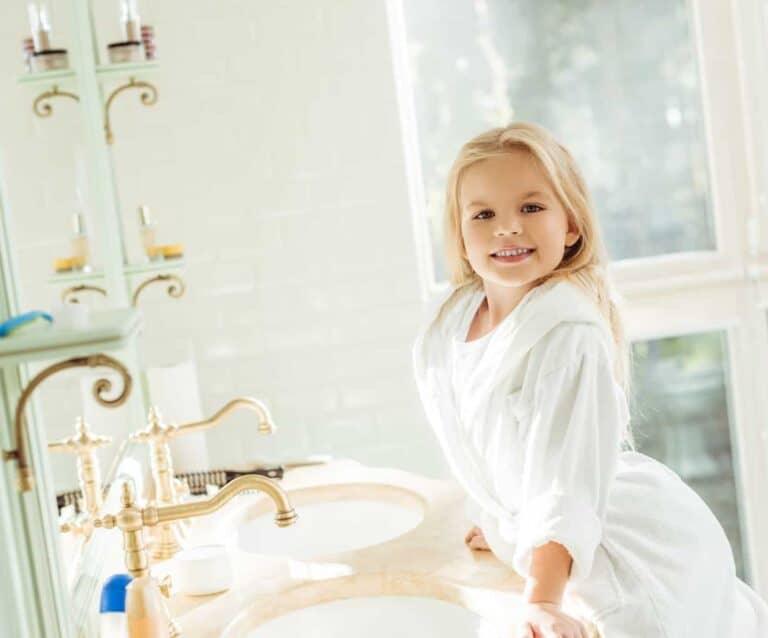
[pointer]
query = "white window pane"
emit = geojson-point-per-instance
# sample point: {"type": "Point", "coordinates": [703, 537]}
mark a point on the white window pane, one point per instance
{"type": "Point", "coordinates": [680, 417]}
{"type": "Point", "coordinates": [617, 82]}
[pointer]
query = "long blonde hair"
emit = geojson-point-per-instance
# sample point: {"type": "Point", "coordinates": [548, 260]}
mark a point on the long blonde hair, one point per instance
{"type": "Point", "coordinates": [584, 263]}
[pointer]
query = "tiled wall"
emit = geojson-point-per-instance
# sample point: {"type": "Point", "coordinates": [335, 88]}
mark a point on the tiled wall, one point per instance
{"type": "Point", "coordinates": [275, 155]}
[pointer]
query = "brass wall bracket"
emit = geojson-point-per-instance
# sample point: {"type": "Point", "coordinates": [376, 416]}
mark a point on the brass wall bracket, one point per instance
{"type": "Point", "coordinates": [175, 289]}
{"type": "Point", "coordinates": [73, 290]}
{"type": "Point", "coordinates": [148, 98]}
{"type": "Point", "coordinates": [100, 387]}
{"type": "Point", "coordinates": [42, 108]}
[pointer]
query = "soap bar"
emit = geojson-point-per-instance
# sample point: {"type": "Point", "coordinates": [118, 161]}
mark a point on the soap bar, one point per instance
{"type": "Point", "coordinates": [203, 570]}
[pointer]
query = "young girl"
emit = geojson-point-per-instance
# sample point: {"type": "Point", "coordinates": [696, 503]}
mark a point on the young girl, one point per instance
{"type": "Point", "coordinates": [523, 373]}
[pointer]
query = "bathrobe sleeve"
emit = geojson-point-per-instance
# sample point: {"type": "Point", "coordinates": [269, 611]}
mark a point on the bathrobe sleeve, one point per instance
{"type": "Point", "coordinates": [571, 446]}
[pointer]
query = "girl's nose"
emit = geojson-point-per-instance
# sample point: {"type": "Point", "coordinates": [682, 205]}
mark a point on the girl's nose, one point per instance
{"type": "Point", "coordinates": [510, 224]}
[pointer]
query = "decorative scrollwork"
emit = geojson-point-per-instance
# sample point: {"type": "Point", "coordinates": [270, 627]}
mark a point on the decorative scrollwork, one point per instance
{"type": "Point", "coordinates": [148, 98]}
{"type": "Point", "coordinates": [41, 108]}
{"type": "Point", "coordinates": [101, 386]}
{"type": "Point", "coordinates": [176, 289]}
{"type": "Point", "coordinates": [75, 289]}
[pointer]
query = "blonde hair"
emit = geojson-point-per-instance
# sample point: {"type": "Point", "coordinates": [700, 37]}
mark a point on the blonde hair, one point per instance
{"type": "Point", "coordinates": [584, 263]}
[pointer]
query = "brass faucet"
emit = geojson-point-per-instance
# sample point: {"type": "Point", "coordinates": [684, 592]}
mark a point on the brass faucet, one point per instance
{"type": "Point", "coordinates": [167, 539]}
{"type": "Point", "coordinates": [145, 593]}
{"type": "Point", "coordinates": [84, 444]}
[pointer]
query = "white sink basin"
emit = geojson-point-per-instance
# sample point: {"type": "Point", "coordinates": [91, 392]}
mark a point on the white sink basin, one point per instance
{"type": "Point", "coordinates": [379, 617]}
{"type": "Point", "coordinates": [331, 519]}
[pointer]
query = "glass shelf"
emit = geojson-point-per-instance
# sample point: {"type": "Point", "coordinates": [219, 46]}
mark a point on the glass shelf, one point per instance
{"type": "Point", "coordinates": [154, 266]}
{"type": "Point", "coordinates": [128, 269]}
{"type": "Point", "coordinates": [44, 77]}
{"type": "Point", "coordinates": [121, 70]}
{"type": "Point", "coordinates": [75, 275]}
{"type": "Point", "coordinates": [105, 330]}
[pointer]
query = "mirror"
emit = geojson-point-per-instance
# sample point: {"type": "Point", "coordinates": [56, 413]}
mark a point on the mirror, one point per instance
{"type": "Point", "coordinates": [272, 158]}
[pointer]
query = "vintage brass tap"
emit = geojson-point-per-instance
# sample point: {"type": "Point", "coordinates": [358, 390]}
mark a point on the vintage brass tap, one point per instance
{"type": "Point", "coordinates": [144, 601]}
{"type": "Point", "coordinates": [84, 444]}
{"type": "Point", "coordinates": [168, 537]}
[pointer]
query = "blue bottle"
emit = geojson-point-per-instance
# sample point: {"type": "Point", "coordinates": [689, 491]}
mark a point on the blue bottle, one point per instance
{"type": "Point", "coordinates": [112, 620]}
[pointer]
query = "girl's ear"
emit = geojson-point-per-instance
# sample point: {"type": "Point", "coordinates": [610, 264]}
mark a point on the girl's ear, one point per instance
{"type": "Point", "coordinates": [572, 236]}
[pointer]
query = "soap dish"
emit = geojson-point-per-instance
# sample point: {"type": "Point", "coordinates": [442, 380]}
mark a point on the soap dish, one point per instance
{"type": "Point", "coordinates": [203, 570]}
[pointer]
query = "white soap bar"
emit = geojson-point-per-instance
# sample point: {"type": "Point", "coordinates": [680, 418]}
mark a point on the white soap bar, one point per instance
{"type": "Point", "coordinates": [202, 570]}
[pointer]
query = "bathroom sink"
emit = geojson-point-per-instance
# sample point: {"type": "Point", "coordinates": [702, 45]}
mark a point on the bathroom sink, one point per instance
{"type": "Point", "coordinates": [379, 617]}
{"type": "Point", "coordinates": [331, 519]}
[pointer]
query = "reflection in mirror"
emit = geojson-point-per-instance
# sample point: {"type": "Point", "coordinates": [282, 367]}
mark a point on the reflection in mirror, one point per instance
{"type": "Point", "coordinates": [267, 177]}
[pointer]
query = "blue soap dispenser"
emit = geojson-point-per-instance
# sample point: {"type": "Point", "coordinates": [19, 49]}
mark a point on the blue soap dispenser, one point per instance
{"type": "Point", "coordinates": [112, 620]}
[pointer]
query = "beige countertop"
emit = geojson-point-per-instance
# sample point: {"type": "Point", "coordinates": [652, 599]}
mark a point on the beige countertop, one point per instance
{"type": "Point", "coordinates": [431, 560]}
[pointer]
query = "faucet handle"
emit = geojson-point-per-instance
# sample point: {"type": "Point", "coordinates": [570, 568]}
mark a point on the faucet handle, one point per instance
{"type": "Point", "coordinates": [108, 521]}
{"type": "Point", "coordinates": [79, 525]}
{"type": "Point", "coordinates": [156, 429]}
{"type": "Point", "coordinates": [82, 443]}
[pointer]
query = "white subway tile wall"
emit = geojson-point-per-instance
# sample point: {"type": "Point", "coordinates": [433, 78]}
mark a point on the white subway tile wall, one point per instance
{"type": "Point", "coordinates": [274, 155]}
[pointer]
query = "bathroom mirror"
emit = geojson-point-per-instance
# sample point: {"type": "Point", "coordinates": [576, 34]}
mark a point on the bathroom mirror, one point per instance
{"type": "Point", "coordinates": [269, 159]}
{"type": "Point", "coordinates": [271, 193]}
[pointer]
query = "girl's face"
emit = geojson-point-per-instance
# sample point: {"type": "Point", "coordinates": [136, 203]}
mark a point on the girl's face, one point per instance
{"type": "Point", "coordinates": [507, 202]}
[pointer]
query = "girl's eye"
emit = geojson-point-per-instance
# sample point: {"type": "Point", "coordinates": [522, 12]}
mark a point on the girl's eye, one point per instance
{"type": "Point", "coordinates": [536, 208]}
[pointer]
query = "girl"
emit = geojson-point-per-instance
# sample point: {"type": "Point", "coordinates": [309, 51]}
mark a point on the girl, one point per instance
{"type": "Point", "coordinates": [523, 373]}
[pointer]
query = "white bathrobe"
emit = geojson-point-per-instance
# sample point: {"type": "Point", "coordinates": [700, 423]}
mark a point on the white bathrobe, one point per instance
{"type": "Point", "coordinates": [531, 422]}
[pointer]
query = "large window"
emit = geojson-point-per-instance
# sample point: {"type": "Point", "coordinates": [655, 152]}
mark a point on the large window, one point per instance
{"type": "Point", "coordinates": [664, 104]}
{"type": "Point", "coordinates": [680, 417]}
{"type": "Point", "coordinates": [615, 81]}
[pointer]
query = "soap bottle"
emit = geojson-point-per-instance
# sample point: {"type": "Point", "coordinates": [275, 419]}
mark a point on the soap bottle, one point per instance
{"type": "Point", "coordinates": [146, 611]}
{"type": "Point", "coordinates": [80, 252]}
{"type": "Point", "coordinates": [147, 230]}
{"type": "Point", "coordinates": [112, 619]}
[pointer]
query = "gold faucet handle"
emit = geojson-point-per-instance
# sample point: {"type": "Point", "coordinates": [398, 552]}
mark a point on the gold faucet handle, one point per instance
{"type": "Point", "coordinates": [108, 521]}
{"type": "Point", "coordinates": [79, 526]}
{"type": "Point", "coordinates": [82, 442]}
{"type": "Point", "coordinates": [155, 429]}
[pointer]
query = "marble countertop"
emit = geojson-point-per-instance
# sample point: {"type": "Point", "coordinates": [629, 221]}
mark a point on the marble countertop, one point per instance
{"type": "Point", "coordinates": [430, 560]}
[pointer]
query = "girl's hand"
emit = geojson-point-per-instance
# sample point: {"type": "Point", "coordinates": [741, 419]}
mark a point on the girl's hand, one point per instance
{"type": "Point", "coordinates": [547, 620]}
{"type": "Point", "coordinates": [476, 540]}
